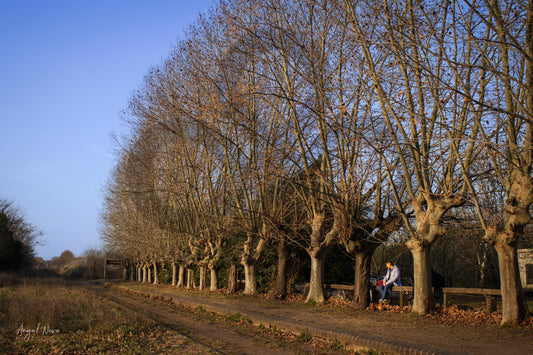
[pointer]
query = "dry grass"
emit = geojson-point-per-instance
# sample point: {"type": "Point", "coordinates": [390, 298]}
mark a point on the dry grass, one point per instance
{"type": "Point", "coordinates": [54, 316]}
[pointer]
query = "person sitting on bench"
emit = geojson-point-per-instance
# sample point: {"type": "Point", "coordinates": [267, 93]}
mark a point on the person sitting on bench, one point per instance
{"type": "Point", "coordinates": [392, 278]}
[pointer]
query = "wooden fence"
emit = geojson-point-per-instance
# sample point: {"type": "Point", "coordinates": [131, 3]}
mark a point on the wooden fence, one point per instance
{"type": "Point", "coordinates": [448, 296]}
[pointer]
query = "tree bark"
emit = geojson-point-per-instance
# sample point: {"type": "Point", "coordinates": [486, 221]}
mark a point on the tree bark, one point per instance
{"type": "Point", "coordinates": [280, 288]}
{"type": "Point", "coordinates": [145, 279]}
{"type": "Point", "coordinates": [316, 282]}
{"type": "Point", "coordinates": [361, 292]}
{"type": "Point", "coordinates": [133, 271]}
{"type": "Point", "coordinates": [249, 262]}
{"type": "Point", "coordinates": [423, 293]}
{"type": "Point", "coordinates": [190, 278]}
{"type": "Point", "coordinates": [148, 273]}
{"type": "Point", "coordinates": [156, 276]}
{"type": "Point", "coordinates": [203, 274]}
{"type": "Point", "coordinates": [213, 264]}
{"type": "Point", "coordinates": [232, 278]}
{"type": "Point", "coordinates": [214, 279]}
{"type": "Point", "coordinates": [250, 278]}
{"type": "Point", "coordinates": [174, 274]}
{"type": "Point", "coordinates": [504, 238]}
{"type": "Point", "coordinates": [318, 252]}
{"type": "Point", "coordinates": [514, 307]}
{"type": "Point", "coordinates": [181, 276]}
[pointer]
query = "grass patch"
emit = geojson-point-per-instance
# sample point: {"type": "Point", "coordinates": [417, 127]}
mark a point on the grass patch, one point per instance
{"type": "Point", "coordinates": [55, 316]}
{"type": "Point", "coordinates": [238, 318]}
{"type": "Point", "coordinates": [336, 345]}
{"type": "Point", "coordinates": [306, 337]}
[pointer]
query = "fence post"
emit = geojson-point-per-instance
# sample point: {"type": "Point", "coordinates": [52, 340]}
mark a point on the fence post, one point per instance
{"type": "Point", "coordinates": [491, 303]}
{"type": "Point", "coordinates": [404, 298]}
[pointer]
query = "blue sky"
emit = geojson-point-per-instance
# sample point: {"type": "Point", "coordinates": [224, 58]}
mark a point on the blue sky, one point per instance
{"type": "Point", "coordinates": [67, 69]}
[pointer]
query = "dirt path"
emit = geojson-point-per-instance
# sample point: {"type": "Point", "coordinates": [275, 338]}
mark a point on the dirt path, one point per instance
{"type": "Point", "coordinates": [374, 329]}
{"type": "Point", "coordinates": [214, 338]}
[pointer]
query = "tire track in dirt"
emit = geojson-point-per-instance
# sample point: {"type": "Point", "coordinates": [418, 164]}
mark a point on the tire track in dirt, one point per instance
{"type": "Point", "coordinates": [215, 338]}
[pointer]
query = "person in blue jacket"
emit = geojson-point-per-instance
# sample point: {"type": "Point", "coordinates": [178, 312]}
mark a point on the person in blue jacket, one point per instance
{"type": "Point", "coordinates": [392, 278]}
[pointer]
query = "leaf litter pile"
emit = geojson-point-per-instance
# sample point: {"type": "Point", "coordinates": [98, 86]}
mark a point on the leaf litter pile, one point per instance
{"type": "Point", "coordinates": [450, 315]}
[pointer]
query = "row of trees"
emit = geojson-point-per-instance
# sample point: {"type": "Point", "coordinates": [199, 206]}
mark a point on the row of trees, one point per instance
{"type": "Point", "coordinates": [319, 123]}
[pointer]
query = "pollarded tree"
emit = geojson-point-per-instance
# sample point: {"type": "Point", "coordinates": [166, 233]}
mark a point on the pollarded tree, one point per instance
{"type": "Point", "coordinates": [315, 68]}
{"type": "Point", "coordinates": [300, 40]}
{"type": "Point", "coordinates": [238, 121]}
{"type": "Point", "coordinates": [502, 34]}
{"type": "Point", "coordinates": [426, 124]}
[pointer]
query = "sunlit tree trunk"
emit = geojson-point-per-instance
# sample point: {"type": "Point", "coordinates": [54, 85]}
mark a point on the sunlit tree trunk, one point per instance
{"type": "Point", "coordinates": [514, 307]}
{"type": "Point", "coordinates": [190, 278]}
{"type": "Point", "coordinates": [318, 253]}
{"type": "Point", "coordinates": [145, 276]}
{"type": "Point", "coordinates": [156, 274]}
{"type": "Point", "coordinates": [203, 274]}
{"type": "Point", "coordinates": [174, 273]}
{"type": "Point", "coordinates": [213, 279]}
{"type": "Point", "coordinates": [181, 276]}
{"type": "Point", "coordinates": [422, 277]}
{"type": "Point", "coordinates": [249, 262]}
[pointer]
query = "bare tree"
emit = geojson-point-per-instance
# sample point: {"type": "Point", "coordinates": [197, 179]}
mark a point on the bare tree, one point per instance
{"type": "Point", "coordinates": [425, 123]}
{"type": "Point", "coordinates": [502, 34]}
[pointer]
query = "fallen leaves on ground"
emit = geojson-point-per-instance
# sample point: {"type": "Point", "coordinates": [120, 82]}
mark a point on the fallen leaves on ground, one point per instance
{"type": "Point", "coordinates": [452, 315]}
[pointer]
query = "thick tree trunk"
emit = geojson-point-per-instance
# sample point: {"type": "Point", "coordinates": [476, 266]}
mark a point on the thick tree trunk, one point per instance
{"type": "Point", "coordinates": [514, 307]}
{"type": "Point", "coordinates": [280, 288]}
{"type": "Point", "coordinates": [318, 252]}
{"type": "Point", "coordinates": [174, 274]}
{"type": "Point", "coordinates": [190, 278]}
{"type": "Point", "coordinates": [250, 278]}
{"type": "Point", "coordinates": [249, 262]}
{"type": "Point", "coordinates": [232, 278]}
{"type": "Point", "coordinates": [149, 273]}
{"type": "Point", "coordinates": [156, 276]}
{"type": "Point", "coordinates": [423, 293]}
{"type": "Point", "coordinates": [181, 276]}
{"type": "Point", "coordinates": [139, 273]}
{"type": "Point", "coordinates": [316, 282]}
{"type": "Point", "coordinates": [214, 279]}
{"type": "Point", "coordinates": [361, 293]}
{"type": "Point", "coordinates": [203, 273]}
{"type": "Point", "coordinates": [145, 277]}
